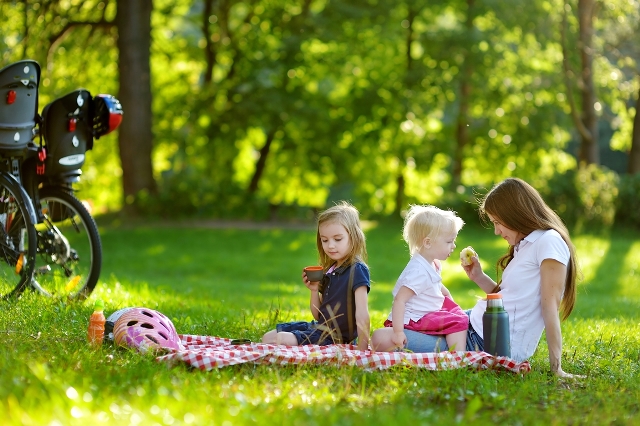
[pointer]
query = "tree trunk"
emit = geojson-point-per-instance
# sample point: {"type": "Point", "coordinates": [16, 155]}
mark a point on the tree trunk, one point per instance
{"type": "Point", "coordinates": [210, 52]}
{"type": "Point", "coordinates": [135, 138]}
{"type": "Point", "coordinates": [634, 154]}
{"type": "Point", "coordinates": [399, 194]}
{"type": "Point", "coordinates": [589, 151]}
{"type": "Point", "coordinates": [462, 132]}
{"type": "Point", "coordinates": [462, 129]}
{"type": "Point", "coordinates": [400, 184]}
{"type": "Point", "coordinates": [262, 161]}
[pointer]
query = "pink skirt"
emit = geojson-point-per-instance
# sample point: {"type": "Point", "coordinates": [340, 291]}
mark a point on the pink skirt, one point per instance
{"type": "Point", "coordinates": [449, 319]}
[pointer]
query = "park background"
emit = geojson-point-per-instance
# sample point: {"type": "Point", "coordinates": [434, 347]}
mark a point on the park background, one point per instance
{"type": "Point", "coordinates": [254, 115]}
{"type": "Point", "coordinates": [275, 109]}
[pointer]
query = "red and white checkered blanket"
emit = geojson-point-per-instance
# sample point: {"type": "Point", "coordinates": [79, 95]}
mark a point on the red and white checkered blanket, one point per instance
{"type": "Point", "coordinates": [207, 353]}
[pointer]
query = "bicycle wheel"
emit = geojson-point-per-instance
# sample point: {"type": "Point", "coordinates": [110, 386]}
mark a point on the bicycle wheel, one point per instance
{"type": "Point", "coordinates": [17, 237]}
{"type": "Point", "coordinates": [69, 250]}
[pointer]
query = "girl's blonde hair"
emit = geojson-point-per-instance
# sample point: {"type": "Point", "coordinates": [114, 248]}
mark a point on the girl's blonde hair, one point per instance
{"type": "Point", "coordinates": [518, 206]}
{"type": "Point", "coordinates": [428, 221]}
{"type": "Point", "coordinates": [346, 215]}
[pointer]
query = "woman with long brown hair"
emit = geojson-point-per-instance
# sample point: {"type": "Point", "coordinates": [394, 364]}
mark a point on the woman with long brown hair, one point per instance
{"type": "Point", "coordinates": [536, 278]}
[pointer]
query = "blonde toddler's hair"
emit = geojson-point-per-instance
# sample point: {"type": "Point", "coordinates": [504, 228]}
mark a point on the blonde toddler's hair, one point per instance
{"type": "Point", "coordinates": [428, 221]}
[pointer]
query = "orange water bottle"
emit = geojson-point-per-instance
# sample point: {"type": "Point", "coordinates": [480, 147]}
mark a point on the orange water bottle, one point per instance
{"type": "Point", "coordinates": [95, 333]}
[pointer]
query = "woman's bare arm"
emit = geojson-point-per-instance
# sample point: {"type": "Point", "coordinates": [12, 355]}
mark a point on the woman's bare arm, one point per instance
{"type": "Point", "coordinates": [553, 275]}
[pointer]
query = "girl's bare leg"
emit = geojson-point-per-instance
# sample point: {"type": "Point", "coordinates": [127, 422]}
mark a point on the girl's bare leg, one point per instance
{"type": "Point", "coordinates": [381, 340]}
{"type": "Point", "coordinates": [283, 338]}
{"type": "Point", "coordinates": [457, 341]}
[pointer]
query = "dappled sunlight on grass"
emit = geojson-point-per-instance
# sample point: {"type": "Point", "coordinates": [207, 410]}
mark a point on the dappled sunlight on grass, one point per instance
{"type": "Point", "coordinates": [156, 250]}
{"type": "Point", "coordinates": [610, 272]}
{"type": "Point", "coordinates": [591, 252]}
{"type": "Point", "coordinates": [284, 289]}
{"type": "Point", "coordinates": [229, 283]}
{"type": "Point", "coordinates": [192, 314]}
{"type": "Point", "coordinates": [608, 342]}
{"type": "Point", "coordinates": [629, 285]}
{"type": "Point", "coordinates": [276, 242]}
{"type": "Point", "coordinates": [380, 297]}
{"type": "Point", "coordinates": [257, 270]}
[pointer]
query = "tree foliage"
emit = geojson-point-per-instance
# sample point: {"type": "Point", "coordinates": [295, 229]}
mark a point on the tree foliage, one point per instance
{"type": "Point", "coordinates": [259, 104]}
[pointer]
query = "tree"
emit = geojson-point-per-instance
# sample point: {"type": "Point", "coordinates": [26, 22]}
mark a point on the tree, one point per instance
{"type": "Point", "coordinates": [301, 102]}
{"type": "Point", "coordinates": [585, 119]}
{"type": "Point", "coordinates": [634, 152]}
{"type": "Point", "coordinates": [589, 153]}
{"type": "Point", "coordinates": [621, 62]}
{"type": "Point", "coordinates": [80, 39]}
{"type": "Point", "coordinates": [462, 122]}
{"type": "Point", "coordinates": [133, 19]}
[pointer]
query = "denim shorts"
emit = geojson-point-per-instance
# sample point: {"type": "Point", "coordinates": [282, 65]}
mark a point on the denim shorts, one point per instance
{"type": "Point", "coordinates": [423, 343]}
{"type": "Point", "coordinates": [307, 333]}
{"type": "Point", "coordinates": [474, 341]}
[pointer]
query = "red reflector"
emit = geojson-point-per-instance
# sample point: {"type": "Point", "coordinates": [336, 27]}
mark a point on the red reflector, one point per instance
{"type": "Point", "coordinates": [114, 121]}
{"type": "Point", "coordinates": [72, 124]}
{"type": "Point", "coordinates": [11, 96]}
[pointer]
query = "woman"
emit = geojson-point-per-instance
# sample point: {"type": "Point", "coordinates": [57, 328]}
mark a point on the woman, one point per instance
{"type": "Point", "coordinates": [537, 275]}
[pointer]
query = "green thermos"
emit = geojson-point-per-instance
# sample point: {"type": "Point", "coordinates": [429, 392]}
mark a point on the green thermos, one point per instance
{"type": "Point", "coordinates": [495, 327]}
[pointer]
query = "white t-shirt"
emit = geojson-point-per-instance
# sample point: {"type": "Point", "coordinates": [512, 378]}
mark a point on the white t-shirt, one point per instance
{"type": "Point", "coordinates": [521, 291]}
{"type": "Point", "coordinates": [425, 281]}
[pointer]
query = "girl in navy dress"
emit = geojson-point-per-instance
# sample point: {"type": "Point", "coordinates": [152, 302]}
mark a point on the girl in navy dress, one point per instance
{"type": "Point", "coordinates": [338, 302]}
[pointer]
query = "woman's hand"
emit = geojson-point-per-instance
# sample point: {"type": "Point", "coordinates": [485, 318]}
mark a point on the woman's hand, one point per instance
{"type": "Point", "coordinates": [476, 274]}
{"type": "Point", "coordinates": [474, 270]}
{"type": "Point", "coordinates": [564, 375]}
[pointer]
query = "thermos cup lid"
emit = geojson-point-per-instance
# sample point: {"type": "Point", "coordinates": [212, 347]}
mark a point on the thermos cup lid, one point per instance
{"type": "Point", "coordinates": [494, 300]}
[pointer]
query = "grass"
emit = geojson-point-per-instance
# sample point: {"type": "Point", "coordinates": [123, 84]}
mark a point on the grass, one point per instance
{"type": "Point", "coordinates": [240, 282]}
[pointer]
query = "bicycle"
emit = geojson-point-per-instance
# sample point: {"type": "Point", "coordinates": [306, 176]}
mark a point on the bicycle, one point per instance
{"type": "Point", "coordinates": [49, 241]}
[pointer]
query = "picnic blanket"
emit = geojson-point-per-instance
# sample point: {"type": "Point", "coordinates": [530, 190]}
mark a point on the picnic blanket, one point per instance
{"type": "Point", "coordinates": [207, 353]}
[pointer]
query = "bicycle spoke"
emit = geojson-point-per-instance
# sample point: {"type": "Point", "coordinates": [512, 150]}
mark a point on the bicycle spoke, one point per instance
{"type": "Point", "coordinates": [17, 238]}
{"type": "Point", "coordinates": [69, 249]}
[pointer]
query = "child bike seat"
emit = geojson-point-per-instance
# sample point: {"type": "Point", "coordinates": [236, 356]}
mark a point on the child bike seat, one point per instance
{"type": "Point", "coordinates": [19, 84]}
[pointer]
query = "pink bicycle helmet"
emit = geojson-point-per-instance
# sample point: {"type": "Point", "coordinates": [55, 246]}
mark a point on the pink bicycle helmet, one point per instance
{"type": "Point", "coordinates": [145, 329]}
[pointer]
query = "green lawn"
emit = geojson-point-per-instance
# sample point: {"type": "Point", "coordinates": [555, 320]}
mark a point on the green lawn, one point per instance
{"type": "Point", "coordinates": [240, 282]}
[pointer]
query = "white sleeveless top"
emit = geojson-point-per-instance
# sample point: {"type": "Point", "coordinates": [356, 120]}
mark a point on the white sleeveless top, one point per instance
{"type": "Point", "coordinates": [521, 290]}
